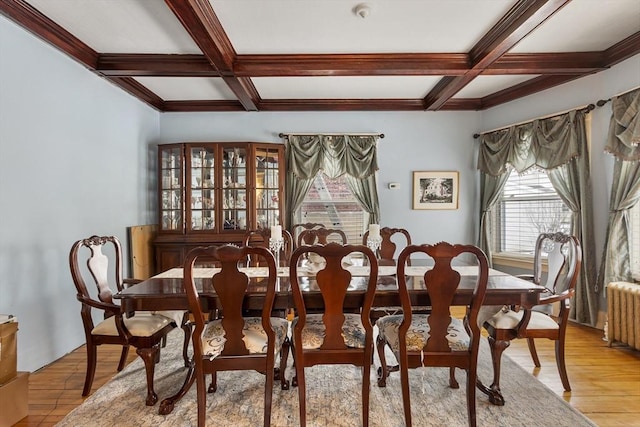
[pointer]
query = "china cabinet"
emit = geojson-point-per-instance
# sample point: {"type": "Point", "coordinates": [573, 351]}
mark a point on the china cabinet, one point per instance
{"type": "Point", "coordinates": [214, 193]}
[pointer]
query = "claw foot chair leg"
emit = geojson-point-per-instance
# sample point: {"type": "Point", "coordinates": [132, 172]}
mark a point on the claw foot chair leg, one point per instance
{"type": "Point", "coordinates": [150, 356]}
{"type": "Point", "coordinates": [497, 348]}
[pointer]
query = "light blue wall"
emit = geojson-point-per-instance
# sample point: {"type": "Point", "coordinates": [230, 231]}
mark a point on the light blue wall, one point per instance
{"type": "Point", "coordinates": [72, 163]}
{"type": "Point", "coordinates": [414, 141]}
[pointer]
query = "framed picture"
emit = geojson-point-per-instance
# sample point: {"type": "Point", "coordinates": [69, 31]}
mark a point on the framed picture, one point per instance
{"type": "Point", "coordinates": [435, 190]}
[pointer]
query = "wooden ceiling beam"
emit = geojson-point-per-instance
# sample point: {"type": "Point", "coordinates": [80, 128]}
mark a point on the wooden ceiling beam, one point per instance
{"type": "Point", "coordinates": [406, 64]}
{"type": "Point", "coordinates": [529, 87]}
{"type": "Point", "coordinates": [347, 65]}
{"type": "Point", "coordinates": [133, 87]}
{"type": "Point", "coordinates": [622, 50]}
{"type": "Point", "coordinates": [547, 63]}
{"type": "Point", "coordinates": [524, 17]}
{"type": "Point", "coordinates": [341, 105]}
{"type": "Point", "coordinates": [35, 22]}
{"type": "Point", "coordinates": [201, 22]}
{"type": "Point", "coordinates": [160, 65]}
{"type": "Point", "coordinates": [195, 106]}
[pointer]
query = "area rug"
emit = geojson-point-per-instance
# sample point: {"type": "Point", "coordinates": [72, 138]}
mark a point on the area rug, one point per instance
{"type": "Point", "coordinates": [333, 398]}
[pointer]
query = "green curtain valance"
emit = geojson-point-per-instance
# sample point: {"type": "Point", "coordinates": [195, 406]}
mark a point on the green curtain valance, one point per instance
{"type": "Point", "coordinates": [335, 155]}
{"type": "Point", "coordinates": [624, 129]}
{"type": "Point", "coordinates": [545, 143]}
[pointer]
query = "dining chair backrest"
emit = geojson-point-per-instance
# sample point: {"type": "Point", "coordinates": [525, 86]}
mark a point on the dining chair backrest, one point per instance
{"type": "Point", "coordinates": [106, 272]}
{"type": "Point", "coordinates": [442, 282]}
{"type": "Point", "coordinates": [331, 334]}
{"type": "Point", "coordinates": [230, 285]}
{"type": "Point", "coordinates": [394, 240]}
{"type": "Point", "coordinates": [322, 236]}
{"type": "Point", "coordinates": [296, 229]}
{"type": "Point", "coordinates": [261, 237]}
{"type": "Point", "coordinates": [561, 252]}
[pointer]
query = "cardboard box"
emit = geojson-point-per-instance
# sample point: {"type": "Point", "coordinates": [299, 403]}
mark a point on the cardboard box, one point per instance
{"type": "Point", "coordinates": [14, 400]}
{"type": "Point", "coordinates": [8, 349]}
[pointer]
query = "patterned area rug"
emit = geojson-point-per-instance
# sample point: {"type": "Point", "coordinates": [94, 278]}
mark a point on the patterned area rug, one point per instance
{"type": "Point", "coordinates": [333, 398]}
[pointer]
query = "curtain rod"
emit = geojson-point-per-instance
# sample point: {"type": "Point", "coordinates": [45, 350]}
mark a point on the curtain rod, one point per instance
{"type": "Point", "coordinates": [586, 109]}
{"type": "Point", "coordinates": [602, 102]}
{"type": "Point", "coordinates": [380, 135]}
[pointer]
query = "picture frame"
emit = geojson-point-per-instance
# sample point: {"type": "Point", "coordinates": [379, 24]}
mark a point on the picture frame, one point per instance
{"type": "Point", "coordinates": [435, 190]}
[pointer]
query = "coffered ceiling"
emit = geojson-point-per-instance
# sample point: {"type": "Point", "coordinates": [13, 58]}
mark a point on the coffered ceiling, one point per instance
{"type": "Point", "coordinates": [335, 55]}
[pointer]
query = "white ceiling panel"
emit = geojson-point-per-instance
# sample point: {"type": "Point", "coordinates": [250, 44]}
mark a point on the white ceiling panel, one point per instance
{"type": "Point", "coordinates": [331, 26]}
{"type": "Point", "coordinates": [370, 87]}
{"type": "Point", "coordinates": [578, 27]}
{"type": "Point", "coordinates": [483, 86]}
{"type": "Point", "coordinates": [120, 26]}
{"type": "Point", "coordinates": [188, 88]}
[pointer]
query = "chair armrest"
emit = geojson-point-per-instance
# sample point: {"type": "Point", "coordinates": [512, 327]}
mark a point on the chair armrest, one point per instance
{"type": "Point", "coordinates": [110, 308]}
{"type": "Point", "coordinates": [559, 297]}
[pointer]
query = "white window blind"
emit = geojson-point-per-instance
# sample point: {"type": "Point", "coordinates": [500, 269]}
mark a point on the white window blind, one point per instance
{"type": "Point", "coordinates": [529, 206]}
{"type": "Point", "coordinates": [330, 202]}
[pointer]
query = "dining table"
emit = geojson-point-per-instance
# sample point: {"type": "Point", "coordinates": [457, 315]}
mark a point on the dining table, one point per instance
{"type": "Point", "coordinates": [165, 291]}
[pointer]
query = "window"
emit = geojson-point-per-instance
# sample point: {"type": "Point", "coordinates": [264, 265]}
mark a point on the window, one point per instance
{"type": "Point", "coordinates": [529, 206]}
{"type": "Point", "coordinates": [330, 202]}
{"type": "Point", "coordinates": [634, 241]}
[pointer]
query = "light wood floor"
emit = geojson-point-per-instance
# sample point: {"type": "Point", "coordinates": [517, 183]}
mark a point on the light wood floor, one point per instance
{"type": "Point", "coordinates": [605, 381]}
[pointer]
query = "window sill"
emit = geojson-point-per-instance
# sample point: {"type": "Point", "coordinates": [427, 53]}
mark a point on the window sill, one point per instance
{"type": "Point", "coordinates": [524, 262]}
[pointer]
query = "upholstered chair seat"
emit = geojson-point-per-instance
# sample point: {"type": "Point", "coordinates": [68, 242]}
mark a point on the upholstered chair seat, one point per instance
{"type": "Point", "coordinates": [314, 331]}
{"type": "Point", "coordinates": [255, 338]}
{"type": "Point", "coordinates": [176, 316]}
{"type": "Point", "coordinates": [418, 333]}
{"type": "Point", "coordinates": [140, 325]}
{"type": "Point", "coordinates": [511, 320]}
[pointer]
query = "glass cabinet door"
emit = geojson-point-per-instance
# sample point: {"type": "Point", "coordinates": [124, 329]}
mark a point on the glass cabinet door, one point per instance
{"type": "Point", "coordinates": [171, 203]}
{"type": "Point", "coordinates": [267, 163]}
{"type": "Point", "coordinates": [234, 188]}
{"type": "Point", "coordinates": [202, 188]}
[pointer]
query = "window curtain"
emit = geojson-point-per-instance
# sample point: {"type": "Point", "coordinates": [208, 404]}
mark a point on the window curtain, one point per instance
{"type": "Point", "coordinates": [335, 155]}
{"type": "Point", "coordinates": [558, 145]}
{"type": "Point", "coordinates": [624, 144]}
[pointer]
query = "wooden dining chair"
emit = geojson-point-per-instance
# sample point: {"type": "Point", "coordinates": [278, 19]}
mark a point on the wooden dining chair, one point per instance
{"type": "Point", "coordinates": [143, 330]}
{"type": "Point", "coordinates": [393, 241]}
{"type": "Point", "coordinates": [296, 229]}
{"type": "Point", "coordinates": [321, 236]}
{"type": "Point", "coordinates": [261, 236]}
{"type": "Point", "coordinates": [564, 258]}
{"type": "Point", "coordinates": [332, 336]}
{"type": "Point", "coordinates": [436, 339]}
{"type": "Point", "coordinates": [235, 342]}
